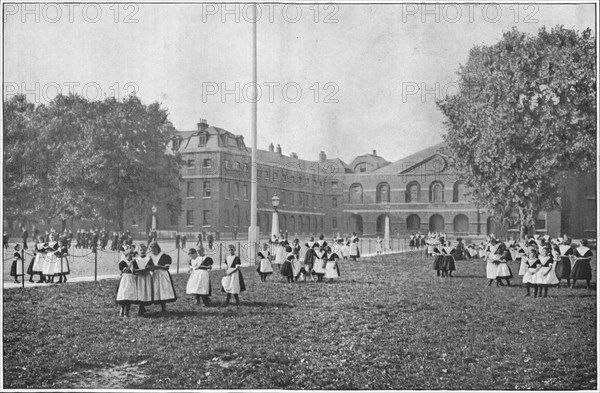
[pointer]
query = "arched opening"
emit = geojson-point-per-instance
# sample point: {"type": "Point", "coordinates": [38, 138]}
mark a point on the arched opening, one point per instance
{"type": "Point", "coordinates": [460, 192]}
{"type": "Point", "coordinates": [436, 223]}
{"type": "Point", "coordinates": [355, 224]}
{"type": "Point", "coordinates": [461, 224]}
{"type": "Point", "coordinates": [436, 192]}
{"type": "Point", "coordinates": [413, 223]}
{"type": "Point", "coordinates": [226, 218]}
{"type": "Point", "coordinates": [382, 194]}
{"type": "Point", "coordinates": [355, 193]}
{"type": "Point", "coordinates": [413, 189]}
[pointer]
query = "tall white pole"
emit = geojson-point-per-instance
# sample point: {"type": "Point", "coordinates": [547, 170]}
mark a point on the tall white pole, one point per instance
{"type": "Point", "coordinates": [253, 229]}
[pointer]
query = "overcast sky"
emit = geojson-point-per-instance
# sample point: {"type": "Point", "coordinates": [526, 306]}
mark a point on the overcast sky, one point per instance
{"type": "Point", "coordinates": [346, 79]}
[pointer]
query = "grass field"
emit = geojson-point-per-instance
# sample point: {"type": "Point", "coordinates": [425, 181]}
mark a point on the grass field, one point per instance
{"type": "Point", "coordinates": [388, 323]}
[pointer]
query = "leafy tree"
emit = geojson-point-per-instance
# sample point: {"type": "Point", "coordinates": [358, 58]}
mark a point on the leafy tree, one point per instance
{"type": "Point", "coordinates": [100, 159]}
{"type": "Point", "coordinates": [524, 118]}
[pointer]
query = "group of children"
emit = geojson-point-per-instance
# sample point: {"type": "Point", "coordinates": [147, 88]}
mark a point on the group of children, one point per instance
{"type": "Point", "coordinates": [49, 261]}
{"type": "Point", "coordinates": [543, 262]}
{"type": "Point", "coordinates": [145, 279]}
{"type": "Point", "coordinates": [320, 260]}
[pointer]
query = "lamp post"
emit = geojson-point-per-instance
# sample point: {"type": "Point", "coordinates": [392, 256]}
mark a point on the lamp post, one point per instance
{"type": "Point", "coordinates": [275, 221]}
{"type": "Point", "coordinates": [253, 228]}
{"type": "Point", "coordinates": [154, 210]}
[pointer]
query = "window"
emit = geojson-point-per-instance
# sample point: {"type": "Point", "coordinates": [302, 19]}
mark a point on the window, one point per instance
{"type": "Point", "coordinates": [236, 166]}
{"type": "Point", "coordinates": [190, 189]}
{"type": "Point", "coordinates": [207, 163]}
{"type": "Point", "coordinates": [275, 175]}
{"type": "Point", "coordinates": [176, 144]}
{"type": "Point", "coordinates": [292, 197]}
{"type": "Point", "coordinates": [320, 201]}
{"type": "Point", "coordinates": [382, 193]}
{"type": "Point", "coordinates": [267, 175]}
{"type": "Point", "coordinates": [202, 140]}
{"type": "Point", "coordinates": [206, 193]}
{"type": "Point", "coordinates": [334, 184]}
{"type": "Point", "coordinates": [227, 190]}
{"type": "Point", "coordinates": [189, 218]}
{"type": "Point", "coordinates": [236, 190]}
{"type": "Point", "coordinates": [173, 218]}
{"type": "Point", "coordinates": [226, 218]}
{"type": "Point", "coordinates": [245, 191]}
{"type": "Point", "coordinates": [226, 163]}
{"type": "Point", "coordinates": [206, 217]}
{"type": "Point", "coordinates": [191, 163]}
{"type": "Point", "coordinates": [362, 167]}
{"type": "Point", "coordinates": [334, 222]}
{"type": "Point", "coordinates": [412, 192]}
{"type": "Point", "coordinates": [231, 141]}
{"type": "Point", "coordinates": [334, 202]}
{"type": "Point", "coordinates": [355, 194]}
{"type": "Point", "coordinates": [314, 201]}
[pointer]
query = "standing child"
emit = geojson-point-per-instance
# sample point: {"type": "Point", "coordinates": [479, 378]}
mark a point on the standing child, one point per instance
{"type": "Point", "coordinates": [16, 269]}
{"type": "Point", "coordinates": [286, 268]}
{"type": "Point", "coordinates": [582, 269]}
{"type": "Point", "coordinates": [61, 269]}
{"type": "Point", "coordinates": [438, 258]}
{"type": "Point", "coordinates": [127, 292]}
{"type": "Point", "coordinates": [546, 276]}
{"type": "Point", "coordinates": [378, 248]}
{"type": "Point", "coordinates": [143, 279]}
{"type": "Point", "coordinates": [233, 282]}
{"type": "Point", "coordinates": [563, 261]}
{"type": "Point", "coordinates": [199, 282]}
{"type": "Point", "coordinates": [332, 269]}
{"type": "Point", "coordinates": [533, 265]}
{"type": "Point", "coordinates": [319, 262]}
{"type": "Point", "coordinates": [449, 264]}
{"type": "Point", "coordinates": [264, 267]}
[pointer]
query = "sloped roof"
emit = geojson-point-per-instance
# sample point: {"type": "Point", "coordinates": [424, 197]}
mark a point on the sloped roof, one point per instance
{"type": "Point", "coordinates": [406, 163]}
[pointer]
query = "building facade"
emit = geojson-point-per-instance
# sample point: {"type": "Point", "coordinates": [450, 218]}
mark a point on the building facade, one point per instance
{"type": "Point", "coordinates": [419, 193]}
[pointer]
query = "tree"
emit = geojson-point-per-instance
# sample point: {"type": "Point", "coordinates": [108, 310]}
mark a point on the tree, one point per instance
{"type": "Point", "coordinates": [100, 159]}
{"type": "Point", "coordinates": [524, 118]}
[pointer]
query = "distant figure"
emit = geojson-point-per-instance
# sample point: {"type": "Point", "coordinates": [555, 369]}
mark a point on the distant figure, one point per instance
{"type": "Point", "coordinates": [25, 237]}
{"type": "Point", "coordinates": [177, 241]}
{"type": "Point", "coordinates": [211, 240]}
{"type": "Point", "coordinates": [184, 241]}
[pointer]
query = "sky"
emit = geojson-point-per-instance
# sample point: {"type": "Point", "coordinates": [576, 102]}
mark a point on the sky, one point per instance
{"type": "Point", "coordinates": [345, 79]}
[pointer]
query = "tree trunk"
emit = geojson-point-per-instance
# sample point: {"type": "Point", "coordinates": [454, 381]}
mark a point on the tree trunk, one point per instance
{"type": "Point", "coordinates": [63, 225]}
{"type": "Point", "coordinates": [120, 212]}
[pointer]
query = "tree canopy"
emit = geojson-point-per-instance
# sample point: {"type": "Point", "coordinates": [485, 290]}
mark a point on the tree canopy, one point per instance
{"type": "Point", "coordinates": [88, 159]}
{"type": "Point", "coordinates": [524, 117]}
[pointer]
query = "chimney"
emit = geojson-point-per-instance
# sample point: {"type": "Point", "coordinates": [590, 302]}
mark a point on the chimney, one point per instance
{"type": "Point", "coordinates": [278, 149]}
{"type": "Point", "coordinates": [375, 153]}
{"type": "Point", "coordinates": [294, 155]}
{"type": "Point", "coordinates": [271, 147]}
{"type": "Point", "coordinates": [202, 125]}
{"type": "Point", "coordinates": [322, 156]}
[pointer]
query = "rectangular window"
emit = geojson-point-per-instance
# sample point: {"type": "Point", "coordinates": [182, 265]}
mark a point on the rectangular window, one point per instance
{"type": "Point", "coordinates": [190, 189]}
{"type": "Point", "coordinates": [334, 222]}
{"type": "Point", "coordinates": [275, 175]}
{"type": "Point", "coordinates": [362, 167]}
{"type": "Point", "coordinates": [189, 218]}
{"type": "Point", "coordinates": [245, 192]}
{"type": "Point", "coordinates": [334, 184]}
{"type": "Point", "coordinates": [191, 163]}
{"type": "Point", "coordinates": [267, 175]}
{"type": "Point", "coordinates": [173, 219]}
{"type": "Point", "coordinates": [334, 202]}
{"type": "Point", "coordinates": [206, 217]}
{"type": "Point", "coordinates": [226, 164]}
{"type": "Point", "coordinates": [227, 190]}
{"type": "Point", "coordinates": [202, 140]}
{"type": "Point", "coordinates": [292, 199]}
{"type": "Point", "coordinates": [207, 163]}
{"type": "Point", "coordinates": [206, 192]}
{"type": "Point", "coordinates": [236, 191]}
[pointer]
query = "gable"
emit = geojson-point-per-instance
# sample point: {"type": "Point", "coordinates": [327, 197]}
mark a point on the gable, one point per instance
{"type": "Point", "coordinates": [436, 163]}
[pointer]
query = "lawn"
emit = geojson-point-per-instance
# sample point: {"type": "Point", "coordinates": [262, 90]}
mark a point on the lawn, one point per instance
{"type": "Point", "coordinates": [388, 323]}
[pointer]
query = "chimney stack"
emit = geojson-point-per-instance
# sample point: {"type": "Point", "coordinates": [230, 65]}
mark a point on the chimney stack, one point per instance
{"type": "Point", "coordinates": [271, 147]}
{"type": "Point", "coordinates": [202, 125]}
{"type": "Point", "coordinates": [294, 155]}
{"type": "Point", "coordinates": [375, 153]}
{"type": "Point", "coordinates": [322, 156]}
{"type": "Point", "coordinates": [278, 149]}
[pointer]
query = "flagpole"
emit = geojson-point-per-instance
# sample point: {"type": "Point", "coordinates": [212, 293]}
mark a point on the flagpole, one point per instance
{"type": "Point", "coordinates": [253, 229]}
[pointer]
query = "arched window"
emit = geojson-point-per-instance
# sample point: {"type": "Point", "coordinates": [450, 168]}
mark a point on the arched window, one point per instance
{"type": "Point", "coordinates": [413, 189]}
{"type": "Point", "coordinates": [436, 192]}
{"type": "Point", "coordinates": [461, 224]}
{"type": "Point", "coordinates": [383, 193]}
{"type": "Point", "coordinates": [413, 223]}
{"type": "Point", "coordinates": [355, 193]}
{"type": "Point", "coordinates": [436, 223]}
{"type": "Point", "coordinates": [460, 192]}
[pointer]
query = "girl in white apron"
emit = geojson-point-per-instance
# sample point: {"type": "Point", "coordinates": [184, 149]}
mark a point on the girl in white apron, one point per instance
{"type": "Point", "coordinates": [546, 276]}
{"type": "Point", "coordinates": [127, 291]}
{"type": "Point", "coordinates": [233, 282]}
{"type": "Point", "coordinates": [332, 269]}
{"type": "Point", "coordinates": [163, 291]}
{"type": "Point", "coordinates": [143, 279]}
{"type": "Point", "coordinates": [198, 284]}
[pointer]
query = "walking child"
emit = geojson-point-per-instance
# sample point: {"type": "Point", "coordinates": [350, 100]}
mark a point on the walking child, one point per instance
{"type": "Point", "coordinates": [533, 265]}
{"type": "Point", "coordinates": [127, 292]}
